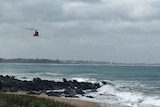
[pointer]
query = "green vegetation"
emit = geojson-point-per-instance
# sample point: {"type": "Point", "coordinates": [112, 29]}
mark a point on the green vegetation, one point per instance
{"type": "Point", "coordinates": [13, 100]}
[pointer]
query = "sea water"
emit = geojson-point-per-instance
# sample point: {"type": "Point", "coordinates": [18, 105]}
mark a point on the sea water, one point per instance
{"type": "Point", "coordinates": [135, 86]}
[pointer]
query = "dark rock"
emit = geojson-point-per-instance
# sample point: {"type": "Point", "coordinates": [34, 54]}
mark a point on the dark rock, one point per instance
{"type": "Point", "coordinates": [24, 77]}
{"type": "Point", "coordinates": [104, 82]}
{"type": "Point", "coordinates": [0, 85]}
{"type": "Point", "coordinates": [13, 89]}
{"type": "Point", "coordinates": [79, 91]}
{"type": "Point", "coordinates": [107, 83]}
{"type": "Point", "coordinates": [72, 88]}
{"type": "Point", "coordinates": [90, 96]}
{"type": "Point", "coordinates": [34, 92]}
{"type": "Point", "coordinates": [37, 80]}
{"type": "Point", "coordinates": [31, 92]}
{"type": "Point", "coordinates": [52, 93]}
{"type": "Point", "coordinates": [65, 80]}
{"type": "Point", "coordinates": [69, 92]}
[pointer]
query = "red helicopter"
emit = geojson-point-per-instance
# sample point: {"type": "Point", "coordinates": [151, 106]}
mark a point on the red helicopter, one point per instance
{"type": "Point", "coordinates": [36, 33]}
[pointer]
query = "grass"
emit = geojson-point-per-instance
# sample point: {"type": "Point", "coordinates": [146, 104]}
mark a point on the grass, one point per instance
{"type": "Point", "coordinates": [13, 100]}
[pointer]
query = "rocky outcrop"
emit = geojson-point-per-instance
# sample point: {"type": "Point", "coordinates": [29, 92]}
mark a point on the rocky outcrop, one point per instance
{"type": "Point", "coordinates": [71, 88]}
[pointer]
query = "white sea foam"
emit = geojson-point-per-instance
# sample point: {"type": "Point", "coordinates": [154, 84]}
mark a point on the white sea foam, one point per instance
{"type": "Point", "coordinates": [106, 89]}
{"type": "Point", "coordinates": [110, 94]}
{"type": "Point", "coordinates": [81, 79]}
{"type": "Point", "coordinates": [48, 75]}
{"type": "Point", "coordinates": [43, 76]}
{"type": "Point", "coordinates": [130, 98]}
{"type": "Point", "coordinates": [151, 101]}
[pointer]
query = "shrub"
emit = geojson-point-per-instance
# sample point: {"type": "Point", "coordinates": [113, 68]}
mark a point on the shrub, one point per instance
{"type": "Point", "coordinates": [13, 100]}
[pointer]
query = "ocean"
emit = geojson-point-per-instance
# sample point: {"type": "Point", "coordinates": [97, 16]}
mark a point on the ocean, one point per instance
{"type": "Point", "coordinates": [135, 86]}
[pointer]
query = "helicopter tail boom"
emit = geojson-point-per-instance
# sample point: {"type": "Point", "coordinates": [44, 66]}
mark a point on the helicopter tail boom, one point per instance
{"type": "Point", "coordinates": [30, 29]}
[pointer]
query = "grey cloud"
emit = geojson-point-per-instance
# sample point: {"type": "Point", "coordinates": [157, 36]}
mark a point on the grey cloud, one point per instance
{"type": "Point", "coordinates": [109, 30]}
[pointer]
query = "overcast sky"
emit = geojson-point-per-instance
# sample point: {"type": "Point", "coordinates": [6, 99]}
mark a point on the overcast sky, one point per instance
{"type": "Point", "coordinates": [101, 30]}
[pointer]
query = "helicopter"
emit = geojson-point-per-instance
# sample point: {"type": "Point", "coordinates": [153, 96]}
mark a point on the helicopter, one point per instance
{"type": "Point", "coordinates": [36, 33]}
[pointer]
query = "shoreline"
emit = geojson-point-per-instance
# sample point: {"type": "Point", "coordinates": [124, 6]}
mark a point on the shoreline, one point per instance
{"type": "Point", "coordinates": [38, 88]}
{"type": "Point", "coordinates": [71, 101]}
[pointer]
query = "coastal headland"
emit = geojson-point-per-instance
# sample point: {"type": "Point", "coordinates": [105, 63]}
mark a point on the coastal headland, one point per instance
{"type": "Point", "coordinates": [65, 91]}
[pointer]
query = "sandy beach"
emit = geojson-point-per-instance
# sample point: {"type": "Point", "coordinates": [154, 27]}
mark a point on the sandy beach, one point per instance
{"type": "Point", "coordinates": [75, 102]}
{"type": "Point", "coordinates": [79, 103]}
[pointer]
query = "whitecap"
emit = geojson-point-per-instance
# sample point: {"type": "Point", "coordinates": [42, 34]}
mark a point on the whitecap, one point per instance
{"type": "Point", "coordinates": [81, 79]}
